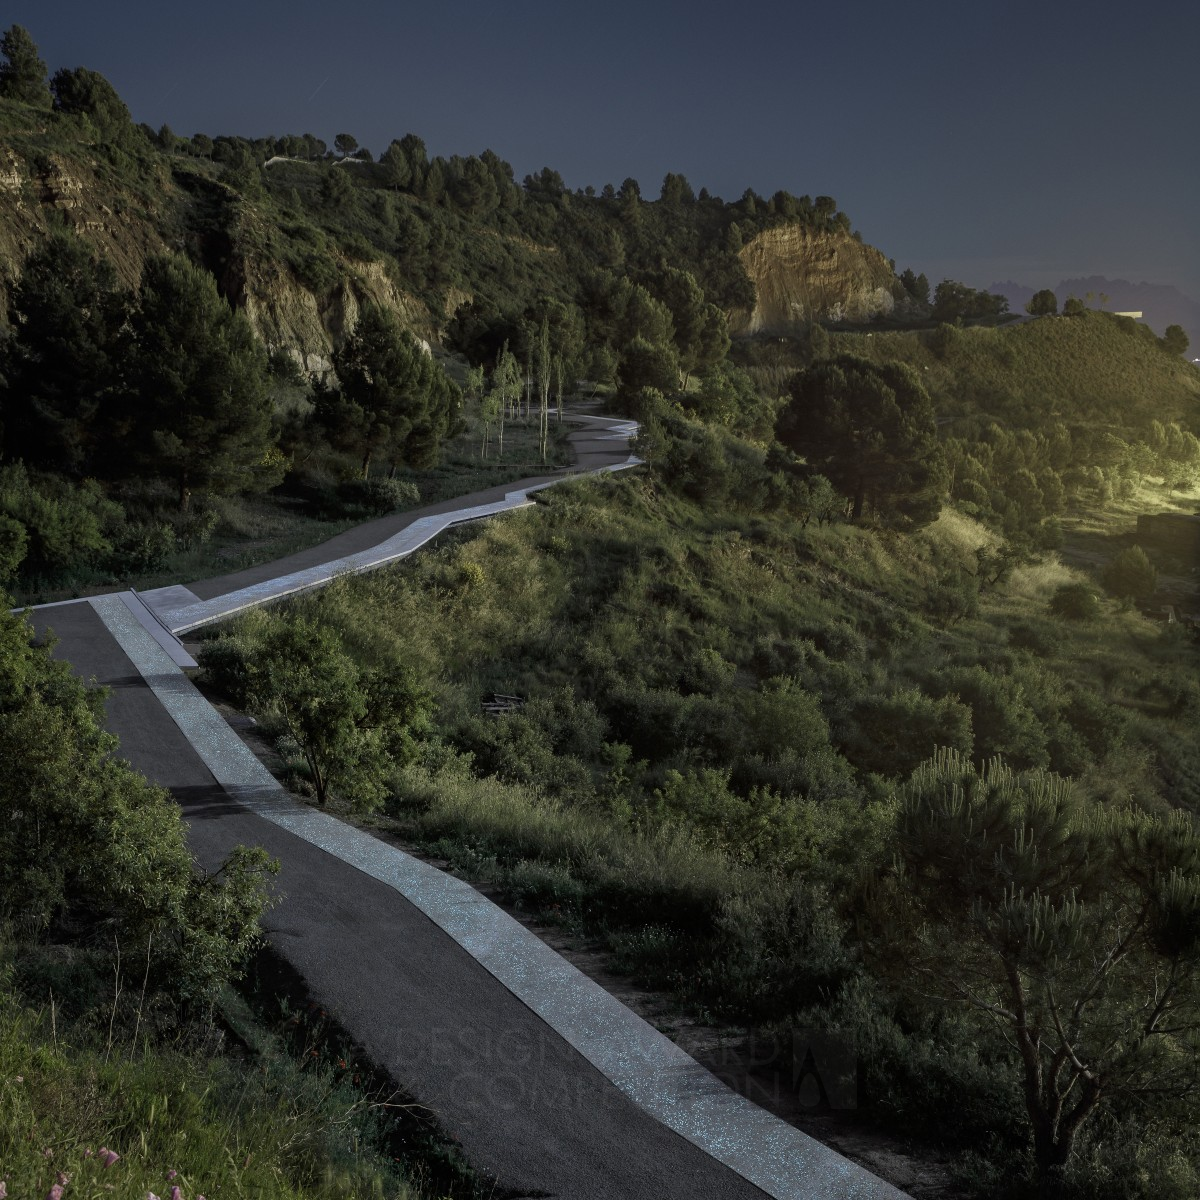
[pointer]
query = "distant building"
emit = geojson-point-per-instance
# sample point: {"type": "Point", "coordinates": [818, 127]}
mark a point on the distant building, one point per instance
{"type": "Point", "coordinates": [1176, 533]}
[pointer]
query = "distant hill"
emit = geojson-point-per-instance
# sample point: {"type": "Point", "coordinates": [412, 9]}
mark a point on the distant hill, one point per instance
{"type": "Point", "coordinates": [1160, 304]}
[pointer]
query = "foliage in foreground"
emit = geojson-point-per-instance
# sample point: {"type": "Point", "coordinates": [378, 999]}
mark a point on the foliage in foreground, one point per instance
{"type": "Point", "coordinates": [1073, 926]}
{"type": "Point", "coordinates": [136, 1119]}
{"type": "Point", "coordinates": [94, 855]}
{"type": "Point", "coordinates": [719, 708]}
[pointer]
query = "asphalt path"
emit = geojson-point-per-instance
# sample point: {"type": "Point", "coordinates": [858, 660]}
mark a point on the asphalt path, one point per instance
{"type": "Point", "coordinates": [593, 448]}
{"type": "Point", "coordinates": [527, 1108]}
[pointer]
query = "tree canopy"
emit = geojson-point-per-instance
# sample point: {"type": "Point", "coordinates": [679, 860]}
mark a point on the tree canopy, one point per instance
{"type": "Point", "coordinates": [392, 400]}
{"type": "Point", "coordinates": [197, 405]}
{"type": "Point", "coordinates": [59, 370]}
{"type": "Point", "coordinates": [1072, 925]}
{"type": "Point", "coordinates": [83, 93]}
{"type": "Point", "coordinates": [870, 430]}
{"type": "Point", "coordinates": [22, 73]}
{"type": "Point", "coordinates": [1042, 304]}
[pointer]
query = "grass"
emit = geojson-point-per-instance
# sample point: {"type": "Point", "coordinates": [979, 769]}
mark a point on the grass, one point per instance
{"type": "Point", "coordinates": [204, 1120]}
{"type": "Point", "coordinates": [253, 529]}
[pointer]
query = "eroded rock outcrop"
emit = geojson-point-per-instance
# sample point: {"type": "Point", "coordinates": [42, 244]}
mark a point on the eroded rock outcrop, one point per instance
{"type": "Point", "coordinates": [804, 275]}
{"type": "Point", "coordinates": [52, 191]}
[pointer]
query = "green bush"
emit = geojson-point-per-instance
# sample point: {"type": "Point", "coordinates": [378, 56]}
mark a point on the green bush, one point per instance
{"type": "Point", "coordinates": [1131, 575]}
{"type": "Point", "coordinates": [893, 734]}
{"type": "Point", "coordinates": [91, 848]}
{"type": "Point", "coordinates": [375, 497]}
{"type": "Point", "coordinates": [1076, 602]}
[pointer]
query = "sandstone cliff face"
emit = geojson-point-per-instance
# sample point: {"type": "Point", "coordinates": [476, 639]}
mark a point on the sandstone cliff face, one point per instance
{"type": "Point", "coordinates": [802, 275]}
{"type": "Point", "coordinates": [37, 196]}
{"type": "Point", "coordinates": [288, 317]}
{"type": "Point", "coordinates": [51, 191]}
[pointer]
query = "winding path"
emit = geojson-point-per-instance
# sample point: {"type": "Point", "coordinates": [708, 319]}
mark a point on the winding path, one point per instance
{"type": "Point", "coordinates": [550, 1084]}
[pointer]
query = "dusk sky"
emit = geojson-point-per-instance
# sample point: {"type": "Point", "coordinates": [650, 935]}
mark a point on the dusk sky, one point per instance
{"type": "Point", "coordinates": [1025, 141]}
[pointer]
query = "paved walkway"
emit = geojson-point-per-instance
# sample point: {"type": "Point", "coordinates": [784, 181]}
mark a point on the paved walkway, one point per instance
{"type": "Point", "coordinates": [551, 1085]}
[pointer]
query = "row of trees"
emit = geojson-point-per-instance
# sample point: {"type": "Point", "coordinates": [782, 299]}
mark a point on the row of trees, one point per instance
{"type": "Point", "coordinates": [98, 383]}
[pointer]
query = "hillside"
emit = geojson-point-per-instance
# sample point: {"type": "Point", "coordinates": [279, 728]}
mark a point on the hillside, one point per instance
{"type": "Point", "coordinates": [299, 239]}
{"type": "Point", "coordinates": [1160, 304]}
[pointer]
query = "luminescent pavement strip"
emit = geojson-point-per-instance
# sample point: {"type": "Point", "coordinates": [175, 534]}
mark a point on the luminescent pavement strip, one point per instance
{"type": "Point", "coordinates": [154, 626]}
{"type": "Point", "coordinates": [203, 612]}
{"type": "Point", "coordinates": [644, 1064]}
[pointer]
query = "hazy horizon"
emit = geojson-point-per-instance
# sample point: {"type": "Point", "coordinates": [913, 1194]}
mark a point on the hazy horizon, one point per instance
{"type": "Point", "coordinates": [1031, 143]}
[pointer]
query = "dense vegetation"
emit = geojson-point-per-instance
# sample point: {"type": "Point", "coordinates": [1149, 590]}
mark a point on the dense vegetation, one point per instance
{"type": "Point", "coordinates": [817, 727]}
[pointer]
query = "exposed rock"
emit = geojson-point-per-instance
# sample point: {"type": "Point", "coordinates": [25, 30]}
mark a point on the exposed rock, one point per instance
{"type": "Point", "coordinates": [36, 197]}
{"type": "Point", "coordinates": [289, 317]}
{"type": "Point", "coordinates": [802, 275]}
{"type": "Point", "coordinates": [285, 314]}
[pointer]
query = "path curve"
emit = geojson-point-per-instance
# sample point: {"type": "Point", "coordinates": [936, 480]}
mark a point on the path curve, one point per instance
{"type": "Point", "coordinates": [551, 1085]}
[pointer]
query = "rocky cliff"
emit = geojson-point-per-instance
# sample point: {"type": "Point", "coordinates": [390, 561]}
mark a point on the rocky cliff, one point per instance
{"type": "Point", "coordinates": [51, 191]}
{"type": "Point", "coordinates": [130, 219]}
{"type": "Point", "coordinates": [802, 275]}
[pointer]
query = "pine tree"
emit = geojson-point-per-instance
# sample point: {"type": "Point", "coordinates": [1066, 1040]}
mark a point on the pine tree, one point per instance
{"type": "Point", "coordinates": [23, 73]}
{"type": "Point", "coordinates": [198, 405]}
{"type": "Point", "coordinates": [392, 400]}
{"type": "Point", "coordinates": [1073, 925]}
{"type": "Point", "coordinates": [59, 368]}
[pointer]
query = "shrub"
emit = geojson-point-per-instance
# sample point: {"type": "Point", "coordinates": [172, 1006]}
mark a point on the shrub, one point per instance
{"type": "Point", "coordinates": [90, 847]}
{"type": "Point", "coordinates": [893, 734]}
{"type": "Point", "coordinates": [1076, 602]}
{"type": "Point", "coordinates": [1130, 574]}
{"type": "Point", "coordinates": [375, 497]}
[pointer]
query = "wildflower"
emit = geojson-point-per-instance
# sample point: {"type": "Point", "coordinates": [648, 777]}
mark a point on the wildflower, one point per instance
{"type": "Point", "coordinates": [87, 1153]}
{"type": "Point", "coordinates": [151, 1196]}
{"type": "Point", "coordinates": [172, 1173]}
{"type": "Point", "coordinates": [55, 1193]}
{"type": "Point", "coordinates": [342, 1063]}
{"type": "Point", "coordinates": [19, 1078]}
{"type": "Point", "coordinates": [176, 1194]}
{"type": "Point", "coordinates": [62, 1179]}
{"type": "Point", "coordinates": [3, 1189]}
{"type": "Point", "coordinates": [47, 1153]}
{"type": "Point", "coordinates": [107, 1157]}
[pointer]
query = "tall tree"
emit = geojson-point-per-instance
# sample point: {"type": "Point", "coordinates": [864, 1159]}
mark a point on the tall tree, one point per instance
{"type": "Point", "coordinates": [198, 406]}
{"type": "Point", "coordinates": [392, 400]}
{"type": "Point", "coordinates": [542, 364]}
{"type": "Point", "coordinates": [1071, 925]}
{"type": "Point", "coordinates": [58, 371]}
{"type": "Point", "coordinates": [83, 93]}
{"type": "Point", "coordinates": [345, 144]}
{"type": "Point", "coordinates": [22, 73]}
{"type": "Point", "coordinates": [506, 386]}
{"type": "Point", "coordinates": [1042, 304]}
{"type": "Point", "coordinates": [870, 430]}
{"type": "Point", "coordinates": [1175, 340]}
{"type": "Point", "coordinates": [397, 169]}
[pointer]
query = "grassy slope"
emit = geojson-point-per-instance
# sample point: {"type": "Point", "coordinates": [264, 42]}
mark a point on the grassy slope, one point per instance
{"type": "Point", "coordinates": [1092, 367]}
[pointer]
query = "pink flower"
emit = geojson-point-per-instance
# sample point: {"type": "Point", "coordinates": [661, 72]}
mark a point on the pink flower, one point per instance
{"type": "Point", "coordinates": [172, 1173]}
{"type": "Point", "coordinates": [106, 1156]}
{"type": "Point", "coordinates": [47, 1153]}
{"type": "Point", "coordinates": [151, 1196]}
{"type": "Point", "coordinates": [176, 1194]}
{"type": "Point", "coordinates": [62, 1179]}
{"type": "Point", "coordinates": [55, 1193]}
{"type": "Point", "coordinates": [3, 1189]}
{"type": "Point", "coordinates": [87, 1154]}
